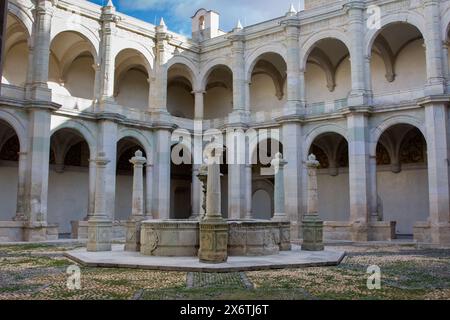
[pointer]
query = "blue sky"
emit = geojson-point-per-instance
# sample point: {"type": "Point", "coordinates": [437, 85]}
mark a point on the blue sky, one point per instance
{"type": "Point", "coordinates": [177, 13]}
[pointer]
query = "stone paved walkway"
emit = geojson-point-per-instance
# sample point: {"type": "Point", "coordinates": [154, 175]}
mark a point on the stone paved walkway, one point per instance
{"type": "Point", "coordinates": [39, 272]}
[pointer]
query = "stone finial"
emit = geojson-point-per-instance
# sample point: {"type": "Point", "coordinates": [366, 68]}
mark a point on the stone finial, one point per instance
{"type": "Point", "coordinates": [110, 4]}
{"type": "Point", "coordinates": [138, 158]}
{"type": "Point", "coordinates": [238, 25]}
{"type": "Point", "coordinates": [291, 11]}
{"type": "Point", "coordinates": [138, 153]}
{"type": "Point", "coordinates": [312, 161]}
{"type": "Point", "coordinates": [278, 161]}
{"type": "Point", "coordinates": [162, 23]}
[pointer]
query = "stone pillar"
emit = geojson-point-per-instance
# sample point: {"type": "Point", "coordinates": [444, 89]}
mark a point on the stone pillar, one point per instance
{"type": "Point", "coordinates": [238, 67]}
{"type": "Point", "coordinates": [20, 213]}
{"type": "Point", "coordinates": [199, 105]}
{"type": "Point", "coordinates": [196, 193]}
{"type": "Point", "coordinates": [358, 146]}
{"type": "Point", "coordinates": [107, 143]}
{"type": "Point", "coordinates": [100, 225]}
{"type": "Point", "coordinates": [278, 164]}
{"type": "Point", "coordinates": [41, 49]}
{"type": "Point", "coordinates": [436, 121]}
{"type": "Point", "coordinates": [213, 228]}
{"type": "Point", "coordinates": [162, 174]}
{"type": "Point", "coordinates": [236, 173]}
{"type": "Point", "coordinates": [158, 83]}
{"type": "Point", "coordinates": [106, 69]}
{"type": "Point", "coordinates": [312, 225]}
{"type": "Point", "coordinates": [248, 190]}
{"type": "Point", "coordinates": [435, 74]}
{"type": "Point", "coordinates": [292, 149]}
{"type": "Point", "coordinates": [292, 24]}
{"type": "Point", "coordinates": [374, 214]}
{"type": "Point", "coordinates": [149, 191]}
{"type": "Point", "coordinates": [92, 182]}
{"type": "Point", "coordinates": [133, 227]}
{"type": "Point", "coordinates": [356, 27]}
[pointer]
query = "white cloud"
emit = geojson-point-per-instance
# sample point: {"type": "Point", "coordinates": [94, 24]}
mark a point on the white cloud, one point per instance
{"type": "Point", "coordinates": [248, 11]}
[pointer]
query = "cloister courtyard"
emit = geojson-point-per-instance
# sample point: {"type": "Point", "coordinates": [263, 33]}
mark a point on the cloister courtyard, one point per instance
{"type": "Point", "coordinates": [38, 271]}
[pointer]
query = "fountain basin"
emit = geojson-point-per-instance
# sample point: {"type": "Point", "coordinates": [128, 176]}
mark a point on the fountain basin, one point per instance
{"type": "Point", "coordinates": [180, 238]}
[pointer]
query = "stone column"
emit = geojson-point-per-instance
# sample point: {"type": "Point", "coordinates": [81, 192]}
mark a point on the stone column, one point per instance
{"type": "Point", "coordinates": [312, 225]}
{"type": "Point", "coordinates": [149, 191]}
{"type": "Point", "coordinates": [374, 214]}
{"type": "Point", "coordinates": [199, 105]}
{"type": "Point", "coordinates": [20, 213]}
{"type": "Point", "coordinates": [213, 228]}
{"type": "Point", "coordinates": [41, 49]}
{"type": "Point", "coordinates": [292, 24]}
{"type": "Point", "coordinates": [107, 143]}
{"type": "Point", "coordinates": [162, 174]}
{"type": "Point", "coordinates": [435, 74]}
{"type": "Point", "coordinates": [358, 146]}
{"type": "Point", "coordinates": [436, 121]}
{"type": "Point", "coordinates": [292, 149]}
{"type": "Point", "coordinates": [238, 67]}
{"type": "Point", "coordinates": [133, 227]}
{"type": "Point", "coordinates": [236, 173]}
{"type": "Point", "coordinates": [106, 69]}
{"type": "Point", "coordinates": [196, 193]}
{"type": "Point", "coordinates": [92, 182]}
{"type": "Point", "coordinates": [356, 27]}
{"type": "Point", "coordinates": [248, 191]}
{"type": "Point", "coordinates": [100, 225]}
{"type": "Point", "coordinates": [158, 85]}
{"type": "Point", "coordinates": [278, 164]}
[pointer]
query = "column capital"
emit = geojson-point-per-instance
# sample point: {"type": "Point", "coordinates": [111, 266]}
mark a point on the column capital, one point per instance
{"type": "Point", "coordinates": [138, 159]}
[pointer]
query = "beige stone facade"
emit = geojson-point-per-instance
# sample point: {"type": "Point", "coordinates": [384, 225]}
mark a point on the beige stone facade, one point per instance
{"type": "Point", "coordinates": [365, 88]}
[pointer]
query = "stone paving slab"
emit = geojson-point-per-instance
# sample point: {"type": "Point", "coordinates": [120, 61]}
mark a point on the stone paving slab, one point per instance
{"type": "Point", "coordinates": [118, 258]}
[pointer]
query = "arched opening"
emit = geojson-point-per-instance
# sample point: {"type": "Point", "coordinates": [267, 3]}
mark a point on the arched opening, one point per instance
{"type": "Point", "coordinates": [16, 53]}
{"type": "Point", "coordinates": [218, 101]}
{"type": "Point", "coordinates": [71, 66]}
{"type": "Point", "coordinates": [331, 150]}
{"type": "Point", "coordinates": [68, 182]}
{"type": "Point", "coordinates": [9, 171]}
{"type": "Point", "coordinates": [131, 88]}
{"type": "Point", "coordinates": [180, 101]}
{"type": "Point", "coordinates": [398, 60]}
{"type": "Point", "coordinates": [402, 177]}
{"type": "Point", "coordinates": [263, 180]}
{"type": "Point", "coordinates": [126, 149]}
{"type": "Point", "coordinates": [268, 83]}
{"type": "Point", "coordinates": [327, 76]}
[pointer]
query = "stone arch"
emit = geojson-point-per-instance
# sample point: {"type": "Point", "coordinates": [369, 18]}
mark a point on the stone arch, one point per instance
{"type": "Point", "coordinates": [376, 132]}
{"type": "Point", "coordinates": [411, 18]}
{"type": "Point", "coordinates": [143, 51]}
{"type": "Point", "coordinates": [209, 67]}
{"type": "Point", "coordinates": [18, 127]}
{"type": "Point", "coordinates": [190, 66]}
{"type": "Point", "coordinates": [87, 34]}
{"type": "Point", "coordinates": [23, 16]}
{"type": "Point", "coordinates": [140, 138]}
{"type": "Point", "coordinates": [311, 42]}
{"type": "Point", "coordinates": [82, 130]}
{"type": "Point", "coordinates": [252, 58]}
{"type": "Point", "coordinates": [319, 130]}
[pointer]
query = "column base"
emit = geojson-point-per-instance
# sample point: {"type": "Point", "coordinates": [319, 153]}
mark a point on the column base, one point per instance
{"type": "Point", "coordinates": [213, 242]}
{"type": "Point", "coordinates": [99, 235]}
{"type": "Point", "coordinates": [312, 233]}
{"type": "Point", "coordinates": [133, 234]}
{"type": "Point", "coordinates": [425, 232]}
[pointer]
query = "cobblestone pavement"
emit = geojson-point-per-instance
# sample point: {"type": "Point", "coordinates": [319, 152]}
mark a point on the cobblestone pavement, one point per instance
{"type": "Point", "coordinates": [39, 272]}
